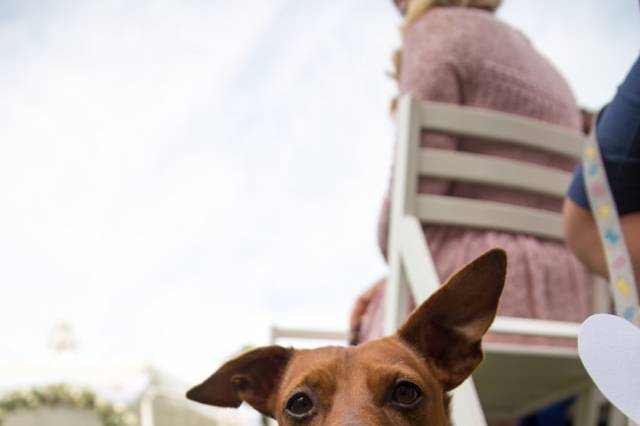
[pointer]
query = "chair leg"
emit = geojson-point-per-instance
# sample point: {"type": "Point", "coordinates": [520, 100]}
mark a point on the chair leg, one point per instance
{"type": "Point", "coordinates": [465, 406]}
{"type": "Point", "coordinates": [615, 417]}
{"type": "Point", "coordinates": [396, 297]}
{"type": "Point", "coordinates": [587, 407]}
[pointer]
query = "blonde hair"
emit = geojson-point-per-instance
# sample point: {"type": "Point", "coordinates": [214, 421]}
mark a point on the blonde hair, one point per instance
{"type": "Point", "coordinates": [416, 9]}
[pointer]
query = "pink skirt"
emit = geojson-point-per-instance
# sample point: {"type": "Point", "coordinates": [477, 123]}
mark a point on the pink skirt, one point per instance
{"type": "Point", "coordinates": [544, 280]}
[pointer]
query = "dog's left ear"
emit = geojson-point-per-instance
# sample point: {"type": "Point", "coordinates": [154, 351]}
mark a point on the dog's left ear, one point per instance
{"type": "Point", "coordinates": [447, 329]}
{"type": "Point", "coordinates": [253, 377]}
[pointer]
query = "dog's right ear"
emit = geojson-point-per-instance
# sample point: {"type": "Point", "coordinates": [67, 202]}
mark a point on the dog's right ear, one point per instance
{"type": "Point", "coordinates": [253, 377]}
{"type": "Point", "coordinates": [447, 329]}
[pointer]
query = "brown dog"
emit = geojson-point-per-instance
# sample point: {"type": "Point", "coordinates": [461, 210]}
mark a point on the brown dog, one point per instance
{"type": "Point", "coordinates": [398, 380]}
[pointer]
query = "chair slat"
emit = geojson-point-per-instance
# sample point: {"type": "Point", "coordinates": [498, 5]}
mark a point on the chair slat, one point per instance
{"type": "Point", "coordinates": [535, 327]}
{"type": "Point", "coordinates": [489, 215]}
{"type": "Point", "coordinates": [476, 168]}
{"type": "Point", "coordinates": [498, 126]}
{"type": "Point", "coordinates": [299, 333]}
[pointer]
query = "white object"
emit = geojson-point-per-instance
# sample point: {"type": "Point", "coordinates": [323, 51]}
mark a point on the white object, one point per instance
{"type": "Point", "coordinates": [513, 380]}
{"type": "Point", "coordinates": [609, 347]}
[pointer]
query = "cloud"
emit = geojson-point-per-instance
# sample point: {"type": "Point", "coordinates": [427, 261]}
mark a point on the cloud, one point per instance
{"type": "Point", "coordinates": [593, 44]}
{"type": "Point", "coordinates": [157, 186]}
{"type": "Point", "coordinates": [177, 177]}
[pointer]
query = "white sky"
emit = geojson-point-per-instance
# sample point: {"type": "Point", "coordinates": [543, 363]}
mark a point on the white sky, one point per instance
{"type": "Point", "coordinates": [176, 176]}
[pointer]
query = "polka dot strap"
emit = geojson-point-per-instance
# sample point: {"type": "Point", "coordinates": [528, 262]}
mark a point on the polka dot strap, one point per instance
{"type": "Point", "coordinates": [605, 213]}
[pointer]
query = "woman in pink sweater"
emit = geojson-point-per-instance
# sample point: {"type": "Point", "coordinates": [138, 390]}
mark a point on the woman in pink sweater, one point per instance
{"type": "Point", "coordinates": [466, 56]}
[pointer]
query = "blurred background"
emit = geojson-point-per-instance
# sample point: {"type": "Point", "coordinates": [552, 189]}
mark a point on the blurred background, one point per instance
{"type": "Point", "coordinates": [177, 176]}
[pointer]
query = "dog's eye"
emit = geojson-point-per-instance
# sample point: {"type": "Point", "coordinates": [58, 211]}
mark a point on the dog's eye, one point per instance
{"type": "Point", "coordinates": [406, 394]}
{"type": "Point", "coordinates": [299, 406]}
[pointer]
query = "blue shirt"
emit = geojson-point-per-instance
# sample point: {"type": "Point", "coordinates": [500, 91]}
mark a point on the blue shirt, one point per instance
{"type": "Point", "coordinates": [618, 132]}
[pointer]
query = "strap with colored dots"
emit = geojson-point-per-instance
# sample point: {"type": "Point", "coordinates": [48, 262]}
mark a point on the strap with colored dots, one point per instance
{"type": "Point", "coordinates": [605, 213]}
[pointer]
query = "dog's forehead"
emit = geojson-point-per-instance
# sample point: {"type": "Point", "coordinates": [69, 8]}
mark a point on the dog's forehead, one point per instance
{"type": "Point", "coordinates": [327, 358]}
{"type": "Point", "coordinates": [389, 351]}
{"type": "Point", "coordinates": [384, 349]}
{"type": "Point", "coordinates": [337, 361]}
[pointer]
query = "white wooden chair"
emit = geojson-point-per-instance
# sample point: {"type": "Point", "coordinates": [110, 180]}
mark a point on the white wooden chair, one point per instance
{"type": "Point", "coordinates": [513, 380]}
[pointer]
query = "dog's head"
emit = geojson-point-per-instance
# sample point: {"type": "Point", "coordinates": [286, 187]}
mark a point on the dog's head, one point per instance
{"type": "Point", "coordinates": [398, 380]}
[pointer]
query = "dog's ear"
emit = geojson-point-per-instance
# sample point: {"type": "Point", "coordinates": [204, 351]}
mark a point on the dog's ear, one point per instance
{"type": "Point", "coordinates": [253, 377]}
{"type": "Point", "coordinates": [448, 327]}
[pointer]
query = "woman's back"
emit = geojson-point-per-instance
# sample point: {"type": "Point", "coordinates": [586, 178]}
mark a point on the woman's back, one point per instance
{"type": "Point", "coordinates": [495, 67]}
{"type": "Point", "coordinates": [494, 64]}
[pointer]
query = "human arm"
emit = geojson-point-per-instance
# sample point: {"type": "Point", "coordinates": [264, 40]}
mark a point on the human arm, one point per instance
{"type": "Point", "coordinates": [359, 309]}
{"type": "Point", "coordinates": [618, 135]}
{"type": "Point", "coordinates": [583, 238]}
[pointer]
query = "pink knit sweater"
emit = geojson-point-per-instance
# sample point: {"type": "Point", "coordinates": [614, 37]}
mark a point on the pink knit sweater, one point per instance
{"type": "Point", "coordinates": [467, 56]}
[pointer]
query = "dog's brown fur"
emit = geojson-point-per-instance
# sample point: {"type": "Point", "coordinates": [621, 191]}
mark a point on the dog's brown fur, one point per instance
{"type": "Point", "coordinates": [435, 350]}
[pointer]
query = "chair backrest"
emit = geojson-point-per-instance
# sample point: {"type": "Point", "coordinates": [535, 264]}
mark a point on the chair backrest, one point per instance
{"type": "Point", "coordinates": [409, 208]}
{"type": "Point", "coordinates": [482, 125]}
{"type": "Point", "coordinates": [411, 265]}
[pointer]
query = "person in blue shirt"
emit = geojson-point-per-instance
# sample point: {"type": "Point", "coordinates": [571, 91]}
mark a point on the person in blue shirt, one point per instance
{"type": "Point", "coordinates": [618, 133]}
